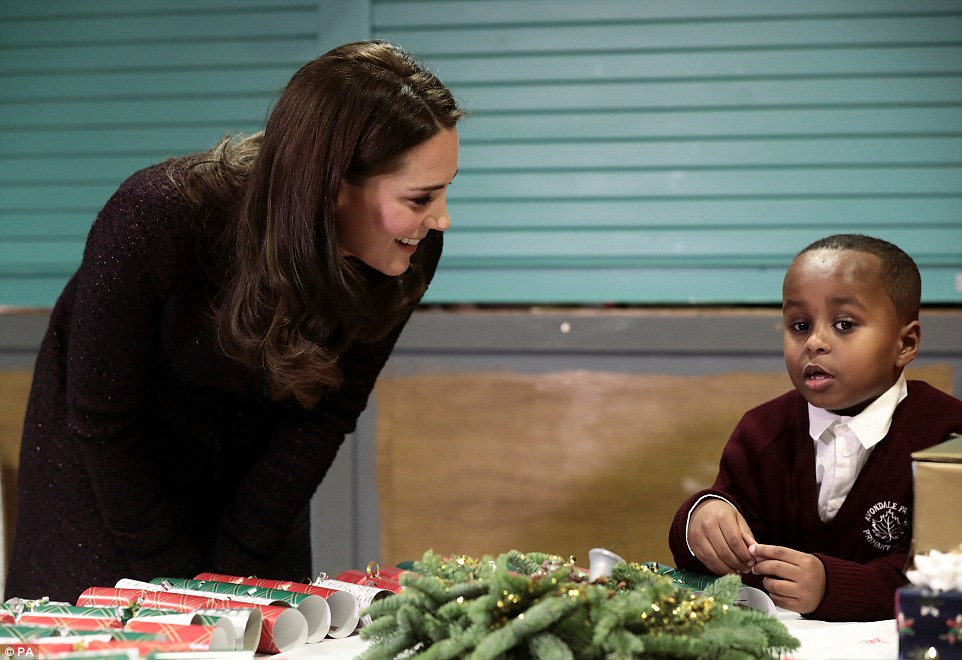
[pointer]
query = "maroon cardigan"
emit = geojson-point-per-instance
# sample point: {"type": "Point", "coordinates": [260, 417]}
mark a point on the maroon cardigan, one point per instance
{"type": "Point", "coordinates": [767, 471]}
{"type": "Point", "coordinates": [146, 452]}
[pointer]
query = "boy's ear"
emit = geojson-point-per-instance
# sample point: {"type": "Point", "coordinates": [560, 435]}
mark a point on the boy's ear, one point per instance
{"type": "Point", "coordinates": [909, 340]}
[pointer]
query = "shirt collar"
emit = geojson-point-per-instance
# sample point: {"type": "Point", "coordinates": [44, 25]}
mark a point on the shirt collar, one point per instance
{"type": "Point", "coordinates": [870, 425]}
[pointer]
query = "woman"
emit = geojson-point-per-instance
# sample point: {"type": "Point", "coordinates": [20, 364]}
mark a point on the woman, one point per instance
{"type": "Point", "coordinates": [225, 329]}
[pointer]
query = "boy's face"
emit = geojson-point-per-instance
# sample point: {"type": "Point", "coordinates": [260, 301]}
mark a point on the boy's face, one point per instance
{"type": "Point", "coordinates": [843, 342]}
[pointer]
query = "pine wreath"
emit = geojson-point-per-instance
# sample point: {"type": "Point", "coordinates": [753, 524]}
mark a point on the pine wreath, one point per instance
{"type": "Point", "coordinates": [537, 605]}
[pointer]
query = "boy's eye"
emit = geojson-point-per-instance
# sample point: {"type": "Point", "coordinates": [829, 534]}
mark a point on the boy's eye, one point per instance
{"type": "Point", "coordinates": [844, 325]}
{"type": "Point", "coordinates": [800, 326]}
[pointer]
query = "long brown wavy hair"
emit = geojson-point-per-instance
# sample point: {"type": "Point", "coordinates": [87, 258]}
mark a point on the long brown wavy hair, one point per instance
{"type": "Point", "coordinates": [292, 303]}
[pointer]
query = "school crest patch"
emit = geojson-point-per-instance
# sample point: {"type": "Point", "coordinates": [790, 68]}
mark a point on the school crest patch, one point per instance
{"type": "Point", "coordinates": [887, 524]}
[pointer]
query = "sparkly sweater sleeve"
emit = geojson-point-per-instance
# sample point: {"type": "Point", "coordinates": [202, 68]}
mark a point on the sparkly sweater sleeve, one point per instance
{"type": "Point", "coordinates": [113, 340]}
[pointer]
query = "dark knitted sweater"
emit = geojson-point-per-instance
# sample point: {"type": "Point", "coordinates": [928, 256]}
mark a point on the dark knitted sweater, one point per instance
{"type": "Point", "coordinates": [767, 471]}
{"type": "Point", "coordinates": [146, 452]}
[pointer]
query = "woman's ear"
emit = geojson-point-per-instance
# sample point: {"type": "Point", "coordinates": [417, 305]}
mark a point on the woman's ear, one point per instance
{"type": "Point", "coordinates": [909, 339]}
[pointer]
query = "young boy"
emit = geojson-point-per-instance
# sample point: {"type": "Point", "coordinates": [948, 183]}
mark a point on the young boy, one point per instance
{"type": "Point", "coordinates": [813, 498]}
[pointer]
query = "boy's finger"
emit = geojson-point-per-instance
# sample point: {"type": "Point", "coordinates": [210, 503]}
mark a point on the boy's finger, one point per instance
{"type": "Point", "coordinates": [763, 551]}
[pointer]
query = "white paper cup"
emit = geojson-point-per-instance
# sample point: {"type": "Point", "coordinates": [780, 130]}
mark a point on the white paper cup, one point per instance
{"type": "Point", "coordinates": [755, 599]}
{"type": "Point", "coordinates": [600, 563]}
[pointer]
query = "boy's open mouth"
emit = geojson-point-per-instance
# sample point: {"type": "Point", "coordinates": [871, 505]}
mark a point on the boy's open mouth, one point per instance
{"type": "Point", "coordinates": [815, 375]}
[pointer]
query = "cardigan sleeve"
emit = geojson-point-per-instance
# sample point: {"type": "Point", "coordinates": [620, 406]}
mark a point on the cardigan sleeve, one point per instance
{"type": "Point", "coordinates": [736, 483]}
{"type": "Point", "coordinates": [854, 591]}
{"type": "Point", "coordinates": [113, 338]}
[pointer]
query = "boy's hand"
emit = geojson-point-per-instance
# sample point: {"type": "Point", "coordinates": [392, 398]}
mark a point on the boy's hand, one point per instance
{"type": "Point", "coordinates": [719, 537]}
{"type": "Point", "coordinates": [796, 580]}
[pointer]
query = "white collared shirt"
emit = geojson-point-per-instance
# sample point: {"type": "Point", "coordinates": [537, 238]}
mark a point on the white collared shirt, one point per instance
{"type": "Point", "coordinates": [840, 456]}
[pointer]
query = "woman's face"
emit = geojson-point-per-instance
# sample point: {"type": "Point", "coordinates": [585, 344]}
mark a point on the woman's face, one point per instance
{"type": "Point", "coordinates": [382, 219]}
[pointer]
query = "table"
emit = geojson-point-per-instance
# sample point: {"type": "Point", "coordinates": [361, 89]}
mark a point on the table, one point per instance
{"type": "Point", "coordinates": [849, 641]}
{"type": "Point", "coordinates": [874, 640]}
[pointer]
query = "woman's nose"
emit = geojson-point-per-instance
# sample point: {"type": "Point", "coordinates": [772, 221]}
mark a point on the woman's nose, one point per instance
{"type": "Point", "coordinates": [439, 218]}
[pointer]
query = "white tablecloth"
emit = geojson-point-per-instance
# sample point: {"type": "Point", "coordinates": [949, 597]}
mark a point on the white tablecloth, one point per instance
{"type": "Point", "coordinates": [820, 641]}
{"type": "Point", "coordinates": [843, 641]}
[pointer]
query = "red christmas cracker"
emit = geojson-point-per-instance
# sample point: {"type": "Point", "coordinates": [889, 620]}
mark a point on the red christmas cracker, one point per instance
{"type": "Point", "coordinates": [168, 600]}
{"type": "Point", "coordinates": [391, 572]}
{"type": "Point", "coordinates": [110, 596]}
{"type": "Point", "coordinates": [81, 611]}
{"type": "Point", "coordinates": [43, 650]}
{"type": "Point", "coordinates": [360, 577]}
{"type": "Point", "coordinates": [286, 585]}
{"type": "Point", "coordinates": [68, 622]}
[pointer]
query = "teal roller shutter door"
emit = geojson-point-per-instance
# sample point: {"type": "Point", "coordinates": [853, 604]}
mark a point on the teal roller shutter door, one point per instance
{"type": "Point", "coordinates": [618, 151]}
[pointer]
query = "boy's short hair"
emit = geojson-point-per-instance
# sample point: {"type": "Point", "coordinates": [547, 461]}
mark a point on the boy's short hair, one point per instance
{"type": "Point", "coordinates": [900, 275]}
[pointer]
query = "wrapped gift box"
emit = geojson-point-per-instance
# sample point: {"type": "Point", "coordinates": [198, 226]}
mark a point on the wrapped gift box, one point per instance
{"type": "Point", "coordinates": [937, 524]}
{"type": "Point", "coordinates": [928, 620]}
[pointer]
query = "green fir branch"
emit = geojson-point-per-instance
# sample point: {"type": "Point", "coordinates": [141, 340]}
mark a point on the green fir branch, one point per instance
{"type": "Point", "coordinates": [538, 617]}
{"type": "Point", "coordinates": [538, 605]}
{"type": "Point", "coordinates": [549, 647]}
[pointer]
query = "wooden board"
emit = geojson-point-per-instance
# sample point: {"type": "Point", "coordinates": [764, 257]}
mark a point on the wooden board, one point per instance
{"type": "Point", "coordinates": [14, 390]}
{"type": "Point", "coordinates": [480, 463]}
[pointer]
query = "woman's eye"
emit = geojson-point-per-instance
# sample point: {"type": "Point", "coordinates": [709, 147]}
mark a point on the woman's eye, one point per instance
{"type": "Point", "coordinates": [423, 201]}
